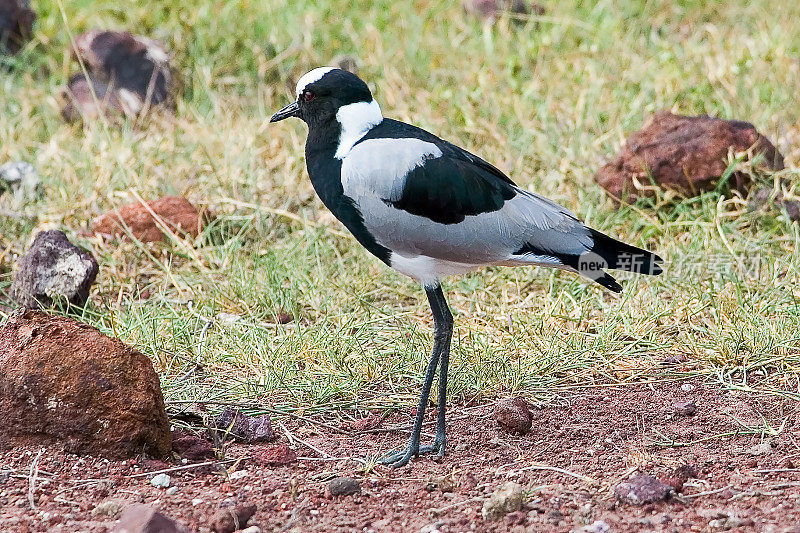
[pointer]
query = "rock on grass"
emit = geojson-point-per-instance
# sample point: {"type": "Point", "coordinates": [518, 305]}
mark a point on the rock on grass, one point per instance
{"type": "Point", "coordinates": [53, 268]}
{"type": "Point", "coordinates": [65, 383]}
{"type": "Point", "coordinates": [22, 180]}
{"type": "Point", "coordinates": [513, 415]}
{"type": "Point", "coordinates": [179, 215]}
{"type": "Point", "coordinates": [687, 155]}
{"type": "Point", "coordinates": [506, 499]}
{"type": "Point", "coordinates": [641, 490]}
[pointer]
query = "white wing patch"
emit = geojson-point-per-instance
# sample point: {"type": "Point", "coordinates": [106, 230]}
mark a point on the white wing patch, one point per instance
{"type": "Point", "coordinates": [378, 167]}
{"type": "Point", "coordinates": [356, 120]}
{"type": "Point", "coordinates": [310, 77]}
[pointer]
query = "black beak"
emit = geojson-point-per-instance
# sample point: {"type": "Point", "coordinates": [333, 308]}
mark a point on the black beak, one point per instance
{"type": "Point", "coordinates": [291, 110]}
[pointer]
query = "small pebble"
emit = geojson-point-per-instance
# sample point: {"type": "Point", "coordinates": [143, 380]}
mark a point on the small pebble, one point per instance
{"type": "Point", "coordinates": [196, 502]}
{"type": "Point", "coordinates": [343, 486]}
{"type": "Point", "coordinates": [685, 408]}
{"type": "Point", "coordinates": [252, 529]}
{"type": "Point", "coordinates": [687, 387]}
{"type": "Point", "coordinates": [161, 480]}
{"type": "Point", "coordinates": [172, 491]}
{"type": "Point", "coordinates": [239, 474]}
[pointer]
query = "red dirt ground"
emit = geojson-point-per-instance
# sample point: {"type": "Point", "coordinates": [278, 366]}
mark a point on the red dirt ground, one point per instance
{"type": "Point", "coordinates": [581, 445]}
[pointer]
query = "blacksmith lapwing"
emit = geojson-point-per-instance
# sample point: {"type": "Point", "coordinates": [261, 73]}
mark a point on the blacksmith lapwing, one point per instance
{"type": "Point", "coordinates": [430, 209]}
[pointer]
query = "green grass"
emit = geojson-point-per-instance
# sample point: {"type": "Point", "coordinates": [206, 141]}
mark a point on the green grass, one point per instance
{"type": "Point", "coordinates": [548, 101]}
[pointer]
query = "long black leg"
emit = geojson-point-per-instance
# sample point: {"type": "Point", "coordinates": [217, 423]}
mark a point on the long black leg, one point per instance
{"type": "Point", "coordinates": [443, 333]}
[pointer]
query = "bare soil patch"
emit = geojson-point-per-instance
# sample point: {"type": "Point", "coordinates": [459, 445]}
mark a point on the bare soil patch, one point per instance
{"type": "Point", "coordinates": [743, 447]}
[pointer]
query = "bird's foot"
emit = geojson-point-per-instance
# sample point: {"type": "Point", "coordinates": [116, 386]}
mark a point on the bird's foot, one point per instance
{"type": "Point", "coordinates": [399, 458]}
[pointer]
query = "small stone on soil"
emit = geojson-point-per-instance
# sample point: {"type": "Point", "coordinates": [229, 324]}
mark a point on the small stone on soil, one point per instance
{"type": "Point", "coordinates": [108, 508]}
{"type": "Point", "coordinates": [191, 447]}
{"type": "Point", "coordinates": [687, 387]}
{"type": "Point", "coordinates": [239, 474]}
{"type": "Point", "coordinates": [161, 480]}
{"type": "Point", "coordinates": [762, 448]}
{"type": "Point", "coordinates": [172, 491]}
{"type": "Point", "coordinates": [342, 486]}
{"type": "Point", "coordinates": [513, 414]}
{"type": "Point", "coordinates": [642, 489]}
{"type": "Point", "coordinates": [140, 518]}
{"type": "Point", "coordinates": [228, 521]}
{"type": "Point", "coordinates": [506, 499]}
{"type": "Point", "coordinates": [599, 526]}
{"type": "Point", "coordinates": [685, 408]}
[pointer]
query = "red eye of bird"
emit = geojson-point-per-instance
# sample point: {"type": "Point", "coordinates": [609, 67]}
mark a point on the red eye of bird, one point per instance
{"type": "Point", "coordinates": [307, 96]}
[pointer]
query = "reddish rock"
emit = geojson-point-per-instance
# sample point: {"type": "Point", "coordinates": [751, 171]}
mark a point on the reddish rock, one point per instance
{"type": "Point", "coordinates": [140, 518]}
{"type": "Point", "coordinates": [687, 155]}
{"type": "Point", "coordinates": [513, 415]}
{"type": "Point", "coordinates": [279, 455]}
{"type": "Point", "coordinates": [16, 24]}
{"type": "Point", "coordinates": [679, 476]}
{"type": "Point", "coordinates": [642, 489]}
{"type": "Point", "coordinates": [685, 408]}
{"type": "Point", "coordinates": [65, 382]}
{"type": "Point", "coordinates": [230, 520]}
{"type": "Point", "coordinates": [136, 68]}
{"type": "Point", "coordinates": [367, 423]}
{"type": "Point", "coordinates": [192, 448]}
{"type": "Point", "coordinates": [178, 214]}
{"type": "Point", "coordinates": [53, 268]}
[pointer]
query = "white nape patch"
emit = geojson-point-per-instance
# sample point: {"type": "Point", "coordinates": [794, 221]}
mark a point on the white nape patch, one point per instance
{"type": "Point", "coordinates": [356, 120]}
{"type": "Point", "coordinates": [428, 270]}
{"type": "Point", "coordinates": [310, 77]}
{"type": "Point", "coordinates": [378, 167]}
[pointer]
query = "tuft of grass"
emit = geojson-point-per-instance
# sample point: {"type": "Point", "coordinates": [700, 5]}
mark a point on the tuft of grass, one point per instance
{"type": "Point", "coordinates": [548, 101]}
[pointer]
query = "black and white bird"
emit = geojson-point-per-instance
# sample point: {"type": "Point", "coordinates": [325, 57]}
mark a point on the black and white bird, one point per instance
{"type": "Point", "coordinates": [430, 209]}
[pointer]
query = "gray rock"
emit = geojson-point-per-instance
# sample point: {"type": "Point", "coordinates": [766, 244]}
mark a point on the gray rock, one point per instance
{"type": "Point", "coordinates": [53, 268]}
{"type": "Point", "coordinates": [506, 499]}
{"type": "Point", "coordinates": [244, 428]}
{"type": "Point", "coordinates": [641, 490]}
{"type": "Point", "coordinates": [342, 486]}
{"type": "Point", "coordinates": [22, 180]}
{"type": "Point", "coordinates": [685, 408]}
{"type": "Point", "coordinates": [161, 480]}
{"type": "Point", "coordinates": [599, 526]}
{"type": "Point", "coordinates": [140, 518]}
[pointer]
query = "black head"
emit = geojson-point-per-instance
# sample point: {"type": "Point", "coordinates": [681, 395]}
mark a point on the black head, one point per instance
{"type": "Point", "coordinates": [321, 93]}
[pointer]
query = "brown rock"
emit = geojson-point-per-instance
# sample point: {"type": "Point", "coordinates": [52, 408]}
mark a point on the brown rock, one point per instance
{"type": "Point", "coordinates": [230, 520]}
{"type": "Point", "coordinates": [65, 382]}
{"type": "Point", "coordinates": [16, 25]}
{"type": "Point", "coordinates": [685, 408]}
{"type": "Point", "coordinates": [342, 486]}
{"type": "Point", "coordinates": [642, 489]}
{"type": "Point", "coordinates": [687, 155]}
{"type": "Point", "coordinates": [191, 448]}
{"type": "Point", "coordinates": [178, 214]}
{"type": "Point", "coordinates": [279, 455]}
{"type": "Point", "coordinates": [135, 67]}
{"type": "Point", "coordinates": [679, 476]}
{"type": "Point", "coordinates": [53, 268]}
{"type": "Point", "coordinates": [140, 518]}
{"type": "Point", "coordinates": [513, 414]}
